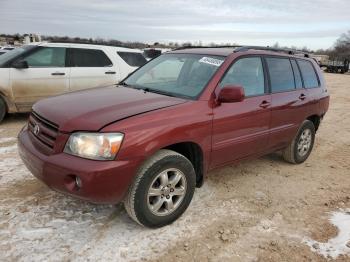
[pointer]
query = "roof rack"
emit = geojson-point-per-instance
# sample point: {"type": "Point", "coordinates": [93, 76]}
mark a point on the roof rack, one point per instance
{"type": "Point", "coordinates": [216, 46]}
{"type": "Point", "coordinates": [240, 48]}
{"type": "Point", "coordinates": [288, 51]}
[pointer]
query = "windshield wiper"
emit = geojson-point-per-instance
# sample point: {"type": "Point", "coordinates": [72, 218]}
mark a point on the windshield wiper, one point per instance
{"type": "Point", "coordinates": [122, 84]}
{"type": "Point", "coordinates": [158, 92]}
{"type": "Point", "coordinates": [127, 85]}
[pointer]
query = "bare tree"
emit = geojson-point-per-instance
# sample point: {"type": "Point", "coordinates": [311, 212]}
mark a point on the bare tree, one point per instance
{"type": "Point", "coordinates": [342, 46]}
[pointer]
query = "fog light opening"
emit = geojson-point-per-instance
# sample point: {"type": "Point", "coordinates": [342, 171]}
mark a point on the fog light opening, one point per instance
{"type": "Point", "coordinates": [78, 182]}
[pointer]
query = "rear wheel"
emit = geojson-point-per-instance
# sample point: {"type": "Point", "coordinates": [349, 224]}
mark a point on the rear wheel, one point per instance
{"type": "Point", "coordinates": [301, 146]}
{"type": "Point", "coordinates": [2, 109]}
{"type": "Point", "coordinates": [162, 190]}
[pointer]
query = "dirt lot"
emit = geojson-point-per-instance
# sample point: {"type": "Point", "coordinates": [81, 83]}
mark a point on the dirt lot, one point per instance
{"type": "Point", "coordinates": [260, 210]}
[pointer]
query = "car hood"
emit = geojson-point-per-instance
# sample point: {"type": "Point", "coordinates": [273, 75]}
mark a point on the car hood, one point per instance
{"type": "Point", "coordinates": [93, 109]}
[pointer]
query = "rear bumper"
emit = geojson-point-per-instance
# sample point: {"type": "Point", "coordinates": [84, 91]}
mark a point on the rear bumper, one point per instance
{"type": "Point", "coordinates": [101, 181]}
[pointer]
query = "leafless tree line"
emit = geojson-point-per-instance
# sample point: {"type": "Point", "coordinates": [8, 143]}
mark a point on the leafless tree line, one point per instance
{"type": "Point", "coordinates": [340, 50]}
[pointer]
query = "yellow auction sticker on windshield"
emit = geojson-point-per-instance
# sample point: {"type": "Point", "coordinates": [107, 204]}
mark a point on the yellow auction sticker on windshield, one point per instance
{"type": "Point", "coordinates": [211, 61]}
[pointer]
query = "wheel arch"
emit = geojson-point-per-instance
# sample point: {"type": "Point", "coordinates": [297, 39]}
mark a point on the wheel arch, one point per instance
{"type": "Point", "coordinates": [3, 98]}
{"type": "Point", "coordinates": [193, 152]}
{"type": "Point", "coordinates": [316, 120]}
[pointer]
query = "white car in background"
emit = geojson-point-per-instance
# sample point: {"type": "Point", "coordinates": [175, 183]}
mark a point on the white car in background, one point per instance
{"type": "Point", "coordinates": [7, 48]}
{"type": "Point", "coordinates": [36, 71]}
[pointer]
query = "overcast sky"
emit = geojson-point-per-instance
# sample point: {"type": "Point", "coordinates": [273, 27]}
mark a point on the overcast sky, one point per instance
{"type": "Point", "coordinates": [312, 23]}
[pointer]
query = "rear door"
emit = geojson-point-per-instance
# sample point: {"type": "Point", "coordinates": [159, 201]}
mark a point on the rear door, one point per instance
{"type": "Point", "coordinates": [288, 98]}
{"type": "Point", "coordinates": [90, 68]}
{"type": "Point", "coordinates": [241, 129]}
{"type": "Point", "coordinates": [46, 76]}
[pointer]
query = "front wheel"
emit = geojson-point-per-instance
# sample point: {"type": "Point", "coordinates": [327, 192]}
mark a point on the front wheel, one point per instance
{"type": "Point", "coordinates": [162, 189]}
{"type": "Point", "coordinates": [301, 146]}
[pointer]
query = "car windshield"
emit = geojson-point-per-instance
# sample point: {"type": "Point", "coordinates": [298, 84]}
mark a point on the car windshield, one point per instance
{"type": "Point", "coordinates": [14, 53]}
{"type": "Point", "coordinates": [179, 75]}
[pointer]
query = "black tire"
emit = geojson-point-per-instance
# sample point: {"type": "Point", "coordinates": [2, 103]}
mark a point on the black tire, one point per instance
{"type": "Point", "coordinates": [2, 109]}
{"type": "Point", "coordinates": [291, 154]}
{"type": "Point", "coordinates": [137, 201]}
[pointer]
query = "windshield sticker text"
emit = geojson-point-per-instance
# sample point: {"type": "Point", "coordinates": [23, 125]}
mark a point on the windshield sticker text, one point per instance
{"type": "Point", "coordinates": [211, 61]}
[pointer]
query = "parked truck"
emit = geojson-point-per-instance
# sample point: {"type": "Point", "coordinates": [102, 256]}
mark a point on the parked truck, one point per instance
{"type": "Point", "coordinates": [337, 66]}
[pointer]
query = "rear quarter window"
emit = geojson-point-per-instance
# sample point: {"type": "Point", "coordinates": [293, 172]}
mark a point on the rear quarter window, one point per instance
{"type": "Point", "coordinates": [133, 59]}
{"type": "Point", "coordinates": [308, 73]}
{"type": "Point", "coordinates": [281, 74]}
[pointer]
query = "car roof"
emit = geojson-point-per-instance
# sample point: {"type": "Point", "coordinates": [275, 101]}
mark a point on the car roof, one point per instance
{"type": "Point", "coordinates": [75, 45]}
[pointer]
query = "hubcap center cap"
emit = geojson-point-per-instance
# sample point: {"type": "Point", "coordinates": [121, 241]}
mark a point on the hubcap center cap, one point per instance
{"type": "Point", "coordinates": [166, 190]}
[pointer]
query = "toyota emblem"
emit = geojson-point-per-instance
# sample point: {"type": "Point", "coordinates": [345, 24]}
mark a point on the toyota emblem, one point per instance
{"type": "Point", "coordinates": [36, 130]}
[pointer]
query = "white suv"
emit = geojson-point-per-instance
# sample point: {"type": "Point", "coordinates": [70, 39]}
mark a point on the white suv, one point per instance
{"type": "Point", "coordinates": [36, 71]}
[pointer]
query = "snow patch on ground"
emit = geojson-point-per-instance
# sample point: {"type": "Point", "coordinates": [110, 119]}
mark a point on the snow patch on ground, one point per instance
{"type": "Point", "coordinates": [12, 169]}
{"type": "Point", "coordinates": [8, 149]}
{"type": "Point", "coordinates": [7, 139]}
{"type": "Point", "coordinates": [128, 241]}
{"type": "Point", "coordinates": [339, 245]}
{"type": "Point", "coordinates": [11, 166]}
{"type": "Point", "coordinates": [45, 223]}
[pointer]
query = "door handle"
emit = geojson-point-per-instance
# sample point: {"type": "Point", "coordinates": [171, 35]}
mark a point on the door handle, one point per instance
{"type": "Point", "coordinates": [302, 97]}
{"type": "Point", "coordinates": [110, 73]}
{"type": "Point", "coordinates": [265, 104]}
{"type": "Point", "coordinates": [58, 74]}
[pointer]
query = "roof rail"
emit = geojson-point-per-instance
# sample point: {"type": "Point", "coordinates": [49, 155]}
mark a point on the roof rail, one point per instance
{"type": "Point", "coordinates": [216, 46]}
{"type": "Point", "coordinates": [288, 51]}
{"type": "Point", "coordinates": [87, 43]}
{"type": "Point", "coordinates": [240, 48]}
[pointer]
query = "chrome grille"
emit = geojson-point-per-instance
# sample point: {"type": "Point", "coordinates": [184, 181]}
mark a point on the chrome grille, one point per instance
{"type": "Point", "coordinates": [43, 130]}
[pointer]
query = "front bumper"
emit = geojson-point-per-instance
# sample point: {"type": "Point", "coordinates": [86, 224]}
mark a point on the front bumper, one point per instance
{"type": "Point", "coordinates": [101, 181]}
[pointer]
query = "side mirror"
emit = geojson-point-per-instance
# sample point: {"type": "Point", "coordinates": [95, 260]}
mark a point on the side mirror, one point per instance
{"type": "Point", "coordinates": [20, 64]}
{"type": "Point", "coordinates": [231, 94]}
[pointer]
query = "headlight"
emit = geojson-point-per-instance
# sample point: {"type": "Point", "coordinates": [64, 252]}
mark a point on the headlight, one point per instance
{"type": "Point", "coordinates": [97, 146]}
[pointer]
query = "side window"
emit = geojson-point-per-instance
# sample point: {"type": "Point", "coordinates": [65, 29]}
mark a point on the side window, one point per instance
{"type": "Point", "coordinates": [281, 74]}
{"type": "Point", "coordinates": [47, 57]}
{"type": "Point", "coordinates": [308, 73]}
{"type": "Point", "coordinates": [80, 57]}
{"type": "Point", "coordinates": [247, 72]}
{"type": "Point", "coordinates": [133, 59]}
{"type": "Point", "coordinates": [297, 76]}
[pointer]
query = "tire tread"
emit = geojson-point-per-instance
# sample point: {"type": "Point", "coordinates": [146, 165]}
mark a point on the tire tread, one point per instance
{"type": "Point", "coordinates": [129, 202]}
{"type": "Point", "coordinates": [288, 153]}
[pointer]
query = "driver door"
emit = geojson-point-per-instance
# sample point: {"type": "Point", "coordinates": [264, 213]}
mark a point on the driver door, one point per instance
{"type": "Point", "coordinates": [46, 75]}
{"type": "Point", "coordinates": [241, 129]}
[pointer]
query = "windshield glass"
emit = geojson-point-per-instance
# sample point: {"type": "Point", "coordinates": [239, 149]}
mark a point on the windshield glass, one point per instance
{"type": "Point", "coordinates": [14, 53]}
{"type": "Point", "coordinates": [181, 75]}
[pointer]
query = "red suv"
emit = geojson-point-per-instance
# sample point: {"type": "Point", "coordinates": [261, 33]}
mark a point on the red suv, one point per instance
{"type": "Point", "coordinates": [150, 140]}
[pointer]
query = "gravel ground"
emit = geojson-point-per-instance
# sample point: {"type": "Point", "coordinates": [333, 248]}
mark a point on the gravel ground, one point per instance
{"type": "Point", "coordinates": [259, 210]}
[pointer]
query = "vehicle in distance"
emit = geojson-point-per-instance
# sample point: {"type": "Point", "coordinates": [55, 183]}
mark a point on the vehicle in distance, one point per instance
{"type": "Point", "coordinates": [337, 66]}
{"type": "Point", "coordinates": [184, 113]}
{"type": "Point", "coordinates": [151, 52]}
{"type": "Point", "coordinates": [8, 48]}
{"type": "Point", "coordinates": [32, 72]}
